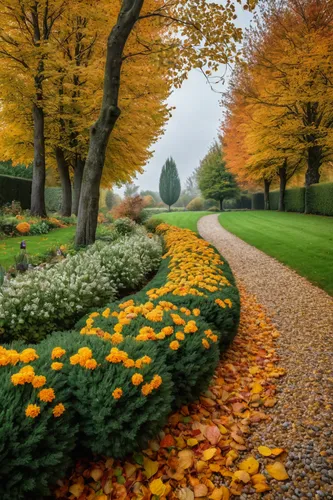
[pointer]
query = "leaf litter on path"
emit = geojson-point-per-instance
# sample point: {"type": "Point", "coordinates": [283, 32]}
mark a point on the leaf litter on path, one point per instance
{"type": "Point", "coordinates": [202, 451]}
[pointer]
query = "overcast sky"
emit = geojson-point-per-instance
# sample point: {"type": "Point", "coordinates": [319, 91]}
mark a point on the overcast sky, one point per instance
{"type": "Point", "coordinates": [192, 128]}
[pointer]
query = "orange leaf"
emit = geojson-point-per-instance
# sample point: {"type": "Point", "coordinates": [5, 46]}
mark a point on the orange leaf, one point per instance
{"type": "Point", "coordinates": [167, 442]}
{"type": "Point", "coordinates": [277, 471]}
{"type": "Point", "coordinates": [186, 458]}
{"type": "Point", "coordinates": [200, 490]}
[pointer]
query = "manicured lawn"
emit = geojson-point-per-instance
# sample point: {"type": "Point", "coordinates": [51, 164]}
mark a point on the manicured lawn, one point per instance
{"type": "Point", "coordinates": [302, 242]}
{"type": "Point", "coordinates": [36, 245]}
{"type": "Point", "coordinates": [187, 220]}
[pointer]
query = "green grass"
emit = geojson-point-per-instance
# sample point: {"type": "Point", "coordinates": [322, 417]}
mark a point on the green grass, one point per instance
{"type": "Point", "coordinates": [302, 242]}
{"type": "Point", "coordinates": [187, 220]}
{"type": "Point", "coordinates": [36, 245]}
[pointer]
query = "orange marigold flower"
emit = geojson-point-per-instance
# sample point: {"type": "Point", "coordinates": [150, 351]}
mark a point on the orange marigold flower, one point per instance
{"type": "Point", "coordinates": [28, 355]}
{"type": "Point", "coordinates": [117, 338]}
{"type": "Point", "coordinates": [85, 353]}
{"type": "Point", "coordinates": [160, 336]}
{"type": "Point", "coordinates": [117, 393]}
{"type": "Point", "coordinates": [137, 379]}
{"type": "Point", "coordinates": [146, 389]}
{"type": "Point", "coordinates": [156, 382]}
{"type": "Point", "coordinates": [177, 319]}
{"type": "Point", "coordinates": [58, 410]}
{"type": "Point", "coordinates": [90, 364]}
{"type": "Point", "coordinates": [167, 330]}
{"type": "Point", "coordinates": [38, 381]}
{"type": "Point", "coordinates": [118, 328]}
{"type": "Point", "coordinates": [106, 313]}
{"type": "Point", "coordinates": [116, 356]}
{"type": "Point", "coordinates": [196, 312]}
{"type": "Point", "coordinates": [174, 345]}
{"type": "Point", "coordinates": [228, 302]}
{"type": "Point", "coordinates": [57, 352]}
{"type": "Point", "coordinates": [18, 379]}
{"type": "Point", "coordinates": [191, 327]}
{"type": "Point", "coordinates": [220, 303]}
{"type": "Point", "coordinates": [23, 227]}
{"type": "Point", "coordinates": [94, 315]}
{"type": "Point", "coordinates": [75, 360]}
{"type": "Point", "coordinates": [146, 360]}
{"type": "Point", "coordinates": [46, 395]}
{"type": "Point", "coordinates": [128, 303]}
{"type": "Point", "coordinates": [32, 411]}
{"type": "Point", "coordinates": [180, 336]}
{"type": "Point", "coordinates": [57, 366]}
{"type": "Point", "coordinates": [129, 363]}
{"type": "Point", "coordinates": [205, 343]}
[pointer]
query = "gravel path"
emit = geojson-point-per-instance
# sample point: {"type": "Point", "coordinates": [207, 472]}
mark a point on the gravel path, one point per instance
{"type": "Point", "coordinates": [302, 418]}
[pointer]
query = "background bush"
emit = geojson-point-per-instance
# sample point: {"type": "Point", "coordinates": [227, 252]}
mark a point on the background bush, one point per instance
{"type": "Point", "coordinates": [320, 198]}
{"type": "Point", "coordinates": [258, 201]}
{"type": "Point", "coordinates": [295, 200]}
{"type": "Point", "coordinates": [15, 188]}
{"type": "Point", "coordinates": [53, 199]}
{"type": "Point", "coordinates": [196, 205]}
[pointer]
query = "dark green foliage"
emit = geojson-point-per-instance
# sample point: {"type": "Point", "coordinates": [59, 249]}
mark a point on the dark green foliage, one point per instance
{"type": "Point", "coordinates": [53, 199]}
{"type": "Point", "coordinates": [124, 226]}
{"type": "Point", "coordinates": [6, 168]}
{"type": "Point", "coordinates": [320, 198]}
{"type": "Point", "coordinates": [151, 224]}
{"type": "Point", "coordinates": [274, 197]}
{"type": "Point", "coordinates": [109, 199]}
{"type": "Point", "coordinates": [170, 187]}
{"type": "Point", "coordinates": [34, 453]}
{"type": "Point", "coordinates": [295, 200]}
{"type": "Point", "coordinates": [15, 188]}
{"type": "Point", "coordinates": [244, 202]}
{"type": "Point", "coordinates": [39, 228]}
{"type": "Point", "coordinates": [258, 201]}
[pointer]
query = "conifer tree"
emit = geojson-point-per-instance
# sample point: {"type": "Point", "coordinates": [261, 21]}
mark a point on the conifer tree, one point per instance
{"type": "Point", "coordinates": [170, 187]}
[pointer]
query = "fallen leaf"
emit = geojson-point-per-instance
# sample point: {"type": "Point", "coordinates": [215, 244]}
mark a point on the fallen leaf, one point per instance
{"type": "Point", "coordinates": [277, 471]}
{"type": "Point", "coordinates": [129, 469]}
{"type": "Point", "coordinates": [192, 442]}
{"type": "Point", "coordinates": [185, 459]}
{"type": "Point", "coordinates": [220, 494]}
{"type": "Point", "coordinates": [257, 388]}
{"type": "Point", "coordinates": [150, 467]}
{"type": "Point", "coordinates": [185, 494]}
{"type": "Point", "coordinates": [242, 475]}
{"type": "Point", "coordinates": [264, 451]}
{"type": "Point", "coordinates": [208, 454]}
{"type": "Point", "coordinates": [157, 487]}
{"type": "Point", "coordinates": [250, 465]}
{"type": "Point", "coordinates": [96, 474]}
{"type": "Point", "coordinates": [167, 442]}
{"type": "Point", "coordinates": [213, 434]}
{"type": "Point", "coordinates": [76, 489]}
{"type": "Point", "coordinates": [258, 478]}
{"type": "Point", "coordinates": [200, 490]}
{"type": "Point", "coordinates": [277, 451]}
{"type": "Point", "coordinates": [270, 402]}
{"type": "Point", "coordinates": [261, 487]}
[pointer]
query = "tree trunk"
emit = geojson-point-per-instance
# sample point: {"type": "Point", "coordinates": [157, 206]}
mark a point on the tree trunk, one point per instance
{"type": "Point", "coordinates": [221, 205]}
{"type": "Point", "coordinates": [66, 187]}
{"type": "Point", "coordinates": [267, 203]}
{"type": "Point", "coordinates": [38, 173]}
{"type": "Point", "coordinates": [312, 176]}
{"type": "Point", "coordinates": [78, 174]}
{"type": "Point", "coordinates": [283, 183]}
{"type": "Point", "coordinates": [102, 129]}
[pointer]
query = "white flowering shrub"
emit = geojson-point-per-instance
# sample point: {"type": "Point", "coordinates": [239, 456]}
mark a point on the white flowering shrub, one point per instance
{"type": "Point", "coordinates": [36, 303]}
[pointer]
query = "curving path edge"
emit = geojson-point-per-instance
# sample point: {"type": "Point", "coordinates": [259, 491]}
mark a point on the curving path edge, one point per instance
{"type": "Point", "coordinates": [302, 418]}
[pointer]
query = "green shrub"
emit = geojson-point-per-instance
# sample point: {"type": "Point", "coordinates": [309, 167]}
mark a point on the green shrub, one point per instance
{"type": "Point", "coordinates": [295, 200]}
{"type": "Point", "coordinates": [8, 225]}
{"type": "Point", "coordinates": [34, 452]}
{"type": "Point", "coordinates": [53, 199]}
{"type": "Point", "coordinates": [151, 224]}
{"type": "Point", "coordinates": [258, 202]}
{"type": "Point", "coordinates": [7, 168]}
{"type": "Point", "coordinates": [39, 228]}
{"type": "Point", "coordinates": [320, 198]}
{"type": "Point", "coordinates": [124, 225]}
{"type": "Point", "coordinates": [196, 205]}
{"type": "Point", "coordinates": [15, 188]}
{"type": "Point", "coordinates": [274, 197]}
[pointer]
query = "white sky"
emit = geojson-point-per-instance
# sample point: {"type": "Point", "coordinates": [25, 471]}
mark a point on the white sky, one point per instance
{"type": "Point", "coordinates": [192, 128]}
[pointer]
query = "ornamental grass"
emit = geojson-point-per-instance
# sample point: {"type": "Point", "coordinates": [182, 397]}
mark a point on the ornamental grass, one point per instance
{"type": "Point", "coordinates": [109, 385]}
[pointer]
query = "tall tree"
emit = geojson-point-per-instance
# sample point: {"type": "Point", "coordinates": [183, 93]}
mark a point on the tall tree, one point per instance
{"type": "Point", "coordinates": [215, 182]}
{"type": "Point", "coordinates": [198, 34]}
{"type": "Point", "coordinates": [170, 186]}
{"type": "Point", "coordinates": [131, 190]}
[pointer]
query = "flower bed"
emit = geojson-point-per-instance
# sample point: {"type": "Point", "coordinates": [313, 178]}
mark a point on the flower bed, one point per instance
{"type": "Point", "coordinates": [110, 385]}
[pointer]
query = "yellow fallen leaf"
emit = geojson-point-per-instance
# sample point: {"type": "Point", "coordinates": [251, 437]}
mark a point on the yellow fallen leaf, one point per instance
{"type": "Point", "coordinates": [261, 487]}
{"type": "Point", "coordinates": [242, 475]}
{"type": "Point", "coordinates": [277, 451]}
{"type": "Point", "coordinates": [96, 474]}
{"type": "Point", "coordinates": [250, 465]}
{"type": "Point", "coordinates": [208, 454]}
{"type": "Point", "coordinates": [185, 459]}
{"type": "Point", "coordinates": [200, 490]}
{"type": "Point", "coordinates": [223, 430]}
{"type": "Point", "coordinates": [220, 494]}
{"type": "Point", "coordinates": [185, 494]}
{"type": "Point", "coordinates": [258, 478]}
{"type": "Point", "coordinates": [254, 370]}
{"type": "Point", "coordinates": [129, 469]}
{"type": "Point", "coordinates": [214, 467]}
{"type": "Point", "coordinates": [150, 467]}
{"type": "Point", "coordinates": [264, 451]}
{"type": "Point", "coordinates": [277, 471]}
{"type": "Point", "coordinates": [157, 487]}
{"type": "Point", "coordinates": [257, 388]}
{"type": "Point", "coordinates": [192, 442]}
{"type": "Point", "coordinates": [76, 489]}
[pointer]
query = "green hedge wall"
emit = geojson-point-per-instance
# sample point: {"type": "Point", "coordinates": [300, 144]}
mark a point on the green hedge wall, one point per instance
{"type": "Point", "coordinates": [53, 199]}
{"type": "Point", "coordinates": [258, 201]}
{"type": "Point", "coordinates": [274, 199]}
{"type": "Point", "coordinates": [320, 198]}
{"type": "Point", "coordinates": [295, 200]}
{"type": "Point", "coordinates": [15, 188]}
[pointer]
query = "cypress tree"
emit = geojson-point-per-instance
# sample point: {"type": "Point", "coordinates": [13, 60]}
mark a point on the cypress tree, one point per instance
{"type": "Point", "coordinates": [170, 187]}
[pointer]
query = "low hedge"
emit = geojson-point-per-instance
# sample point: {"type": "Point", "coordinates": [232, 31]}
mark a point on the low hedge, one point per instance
{"type": "Point", "coordinates": [111, 385]}
{"type": "Point", "coordinates": [258, 201]}
{"type": "Point", "coordinates": [15, 189]}
{"type": "Point", "coordinates": [320, 198]}
{"type": "Point", "coordinates": [274, 197]}
{"type": "Point", "coordinates": [294, 200]}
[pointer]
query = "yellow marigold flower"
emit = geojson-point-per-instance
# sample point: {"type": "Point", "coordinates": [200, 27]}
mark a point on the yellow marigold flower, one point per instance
{"type": "Point", "coordinates": [106, 313]}
{"type": "Point", "coordinates": [128, 303]}
{"type": "Point", "coordinates": [117, 338]}
{"type": "Point", "coordinates": [90, 364]}
{"type": "Point", "coordinates": [160, 336]}
{"type": "Point", "coordinates": [220, 303]}
{"type": "Point", "coordinates": [155, 315]}
{"type": "Point", "coordinates": [228, 302]}
{"type": "Point", "coordinates": [115, 314]}
{"type": "Point", "coordinates": [156, 382]}
{"type": "Point", "coordinates": [180, 336]}
{"type": "Point", "coordinates": [107, 336]}
{"type": "Point", "coordinates": [18, 379]}
{"type": "Point", "coordinates": [174, 345]}
{"type": "Point", "coordinates": [137, 379]}
{"type": "Point", "coordinates": [146, 389]}
{"type": "Point", "coordinates": [138, 363]}
{"type": "Point", "coordinates": [129, 363]}
{"type": "Point", "coordinates": [38, 381]}
{"type": "Point", "coordinates": [75, 359]}
{"type": "Point", "coordinates": [214, 338]}
{"type": "Point", "coordinates": [167, 330]}
{"type": "Point", "coordinates": [191, 327]}
{"type": "Point", "coordinates": [205, 343]}
{"type": "Point", "coordinates": [57, 366]}
{"type": "Point", "coordinates": [196, 312]}
{"type": "Point", "coordinates": [117, 393]}
{"type": "Point", "coordinates": [32, 411]}
{"type": "Point", "coordinates": [146, 360]}
{"type": "Point", "coordinates": [46, 395]}
{"type": "Point", "coordinates": [57, 352]}
{"type": "Point", "coordinates": [94, 315]}
{"type": "Point", "coordinates": [13, 356]}
{"type": "Point", "coordinates": [28, 355]}
{"type": "Point", "coordinates": [177, 319]}
{"type": "Point", "coordinates": [118, 328]}
{"type": "Point", "coordinates": [85, 353]}
{"type": "Point", "coordinates": [27, 369]}
{"type": "Point", "coordinates": [58, 410]}
{"type": "Point", "coordinates": [116, 356]}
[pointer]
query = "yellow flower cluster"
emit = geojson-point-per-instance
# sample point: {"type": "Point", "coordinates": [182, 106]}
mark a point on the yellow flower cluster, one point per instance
{"type": "Point", "coordinates": [8, 356]}
{"type": "Point", "coordinates": [117, 356]}
{"type": "Point", "coordinates": [154, 384]}
{"type": "Point", "coordinates": [84, 358]}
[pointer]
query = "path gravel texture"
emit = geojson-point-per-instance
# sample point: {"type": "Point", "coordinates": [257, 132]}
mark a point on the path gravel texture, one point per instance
{"type": "Point", "coordinates": [302, 418]}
